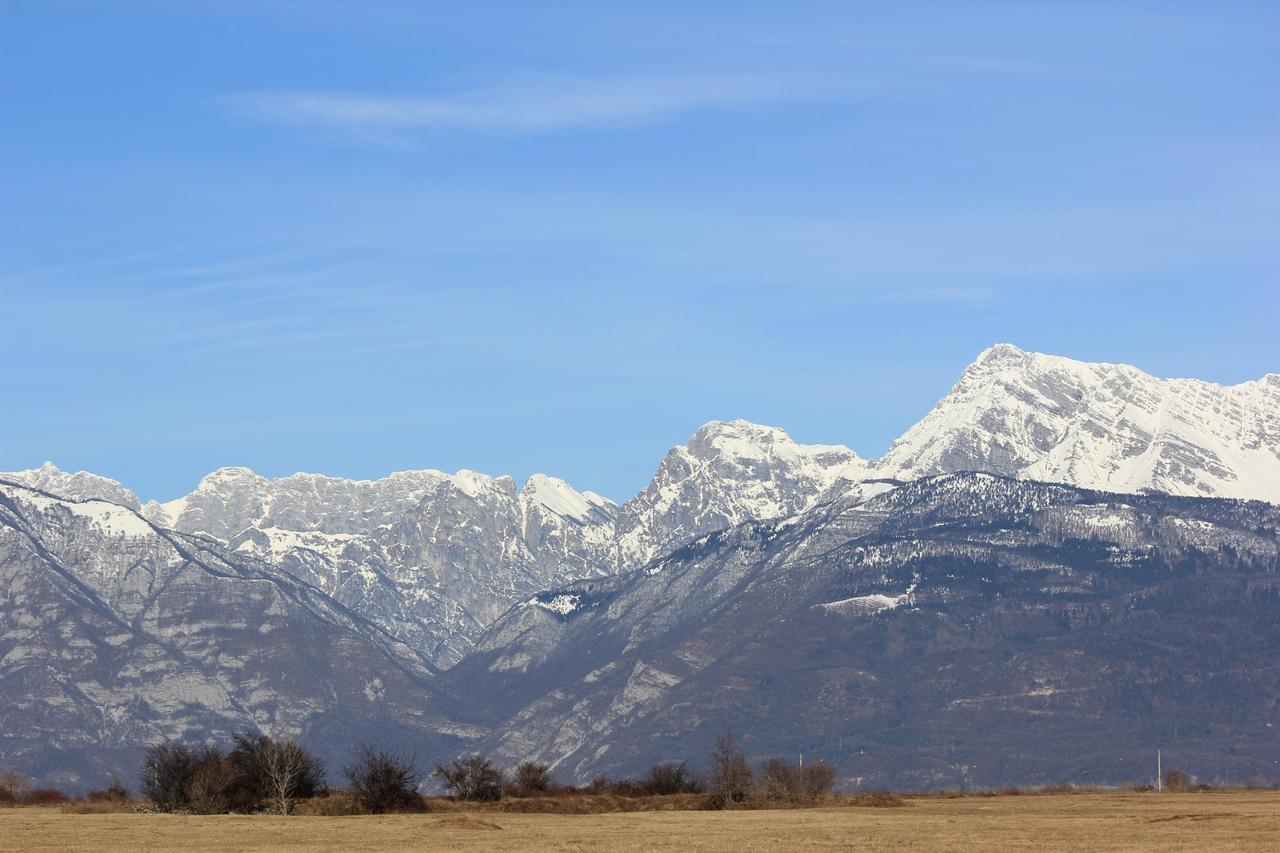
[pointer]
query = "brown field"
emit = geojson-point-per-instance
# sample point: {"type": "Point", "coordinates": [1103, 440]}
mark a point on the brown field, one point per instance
{"type": "Point", "coordinates": [1245, 820]}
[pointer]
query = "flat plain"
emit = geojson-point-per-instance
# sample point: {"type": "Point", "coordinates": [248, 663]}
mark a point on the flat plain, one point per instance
{"type": "Point", "coordinates": [1245, 820]}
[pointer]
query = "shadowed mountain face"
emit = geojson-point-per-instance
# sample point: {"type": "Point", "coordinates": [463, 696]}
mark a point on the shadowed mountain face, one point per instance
{"type": "Point", "coordinates": [965, 629]}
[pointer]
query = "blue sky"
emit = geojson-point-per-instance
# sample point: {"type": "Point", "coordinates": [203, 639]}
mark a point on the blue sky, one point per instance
{"type": "Point", "coordinates": [357, 237]}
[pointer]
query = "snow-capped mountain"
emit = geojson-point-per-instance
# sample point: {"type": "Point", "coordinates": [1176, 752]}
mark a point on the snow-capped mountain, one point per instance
{"type": "Point", "coordinates": [115, 633]}
{"type": "Point", "coordinates": [728, 473]}
{"type": "Point", "coordinates": [1105, 426]}
{"type": "Point", "coordinates": [78, 486]}
{"type": "Point", "coordinates": [434, 557]}
{"type": "Point", "coordinates": [431, 557]}
{"type": "Point", "coordinates": [231, 500]}
{"type": "Point", "coordinates": [117, 617]}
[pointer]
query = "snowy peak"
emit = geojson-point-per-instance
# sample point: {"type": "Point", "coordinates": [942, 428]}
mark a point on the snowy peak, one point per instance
{"type": "Point", "coordinates": [1107, 426]}
{"type": "Point", "coordinates": [727, 473]}
{"type": "Point", "coordinates": [747, 442]}
{"type": "Point", "coordinates": [557, 496]}
{"type": "Point", "coordinates": [78, 486]}
{"type": "Point", "coordinates": [230, 500]}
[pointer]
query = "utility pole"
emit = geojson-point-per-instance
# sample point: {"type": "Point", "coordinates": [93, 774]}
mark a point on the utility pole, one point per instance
{"type": "Point", "coordinates": [1159, 773]}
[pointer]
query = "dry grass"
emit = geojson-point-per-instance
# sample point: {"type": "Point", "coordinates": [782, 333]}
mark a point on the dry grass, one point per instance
{"type": "Point", "coordinates": [578, 804]}
{"type": "Point", "coordinates": [1246, 820]}
{"type": "Point", "coordinates": [99, 807]}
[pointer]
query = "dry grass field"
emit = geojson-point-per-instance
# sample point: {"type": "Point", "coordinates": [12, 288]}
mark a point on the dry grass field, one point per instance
{"type": "Point", "coordinates": [1245, 820]}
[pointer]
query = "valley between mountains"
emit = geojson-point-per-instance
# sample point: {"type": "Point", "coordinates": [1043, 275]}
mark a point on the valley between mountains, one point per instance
{"type": "Point", "coordinates": [1060, 568]}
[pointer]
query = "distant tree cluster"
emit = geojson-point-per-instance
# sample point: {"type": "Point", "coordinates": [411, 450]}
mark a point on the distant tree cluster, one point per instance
{"type": "Point", "coordinates": [255, 771]}
{"type": "Point", "coordinates": [16, 790]}
{"type": "Point", "coordinates": [732, 783]}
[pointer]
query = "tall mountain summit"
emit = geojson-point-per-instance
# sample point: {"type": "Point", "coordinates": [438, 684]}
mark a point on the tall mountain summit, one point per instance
{"type": "Point", "coordinates": [1105, 426]}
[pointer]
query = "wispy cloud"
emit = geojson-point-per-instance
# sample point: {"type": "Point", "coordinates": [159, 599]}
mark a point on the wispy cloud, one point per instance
{"type": "Point", "coordinates": [539, 104]}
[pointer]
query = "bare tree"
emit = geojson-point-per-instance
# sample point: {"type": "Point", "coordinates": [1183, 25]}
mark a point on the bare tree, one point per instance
{"type": "Point", "coordinates": [167, 771]}
{"type": "Point", "coordinates": [730, 781]}
{"type": "Point", "coordinates": [209, 787]}
{"type": "Point", "coordinates": [1177, 781]}
{"type": "Point", "coordinates": [670, 777]}
{"type": "Point", "coordinates": [531, 779]}
{"type": "Point", "coordinates": [384, 782]}
{"type": "Point", "coordinates": [14, 787]}
{"type": "Point", "coordinates": [288, 772]}
{"type": "Point", "coordinates": [472, 778]}
{"type": "Point", "coordinates": [817, 780]}
{"type": "Point", "coordinates": [779, 779]}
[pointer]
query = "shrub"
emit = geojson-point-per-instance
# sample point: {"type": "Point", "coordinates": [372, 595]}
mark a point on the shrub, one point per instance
{"type": "Point", "coordinates": [45, 797]}
{"type": "Point", "coordinates": [818, 780]}
{"type": "Point", "coordinates": [176, 776]}
{"type": "Point", "coordinates": [115, 792]}
{"type": "Point", "coordinates": [209, 790]}
{"type": "Point", "coordinates": [531, 779]}
{"type": "Point", "coordinates": [730, 781]}
{"type": "Point", "coordinates": [778, 780]}
{"type": "Point", "coordinates": [472, 778]}
{"type": "Point", "coordinates": [1177, 781]}
{"type": "Point", "coordinates": [383, 782]}
{"type": "Point", "coordinates": [671, 777]}
{"type": "Point", "coordinates": [167, 770]}
{"type": "Point", "coordinates": [14, 788]}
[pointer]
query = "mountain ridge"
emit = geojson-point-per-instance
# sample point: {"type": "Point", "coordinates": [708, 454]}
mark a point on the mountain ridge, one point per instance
{"type": "Point", "coordinates": [729, 433]}
{"type": "Point", "coordinates": [463, 613]}
{"type": "Point", "coordinates": [435, 557]}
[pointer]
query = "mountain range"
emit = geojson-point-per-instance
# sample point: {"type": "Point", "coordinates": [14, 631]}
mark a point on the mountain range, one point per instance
{"type": "Point", "coordinates": [884, 603]}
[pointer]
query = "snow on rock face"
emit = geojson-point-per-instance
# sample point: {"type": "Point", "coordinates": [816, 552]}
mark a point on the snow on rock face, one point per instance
{"type": "Point", "coordinates": [562, 604]}
{"type": "Point", "coordinates": [78, 486]}
{"type": "Point", "coordinates": [1105, 426]}
{"type": "Point", "coordinates": [559, 497]}
{"type": "Point", "coordinates": [729, 473]}
{"type": "Point", "coordinates": [112, 519]}
{"type": "Point", "coordinates": [104, 517]}
{"type": "Point", "coordinates": [863, 604]}
{"type": "Point", "coordinates": [230, 500]}
{"type": "Point", "coordinates": [434, 557]}
{"type": "Point", "coordinates": [873, 603]}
